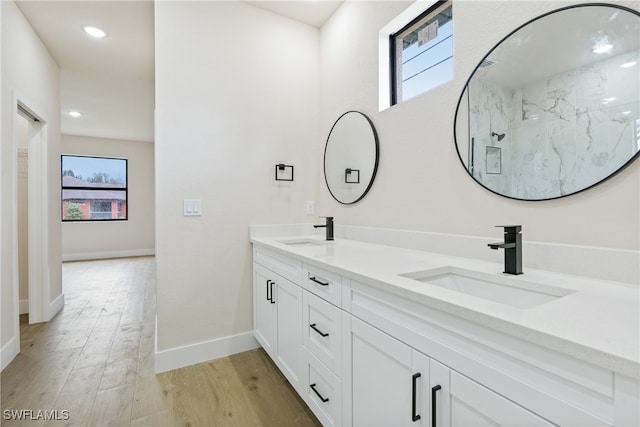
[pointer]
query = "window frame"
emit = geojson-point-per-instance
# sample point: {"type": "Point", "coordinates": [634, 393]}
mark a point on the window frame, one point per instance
{"type": "Point", "coordinates": [393, 66]}
{"type": "Point", "coordinates": [97, 189]}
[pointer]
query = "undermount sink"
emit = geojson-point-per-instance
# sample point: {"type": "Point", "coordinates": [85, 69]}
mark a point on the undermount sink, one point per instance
{"type": "Point", "coordinates": [303, 242]}
{"type": "Point", "coordinates": [501, 289]}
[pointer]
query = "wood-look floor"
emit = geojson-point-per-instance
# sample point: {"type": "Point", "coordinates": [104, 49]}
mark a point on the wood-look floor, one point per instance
{"type": "Point", "coordinates": [95, 360]}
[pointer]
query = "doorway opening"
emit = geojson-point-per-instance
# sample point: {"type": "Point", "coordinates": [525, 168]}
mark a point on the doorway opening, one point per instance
{"type": "Point", "coordinates": [31, 288]}
{"type": "Point", "coordinates": [22, 130]}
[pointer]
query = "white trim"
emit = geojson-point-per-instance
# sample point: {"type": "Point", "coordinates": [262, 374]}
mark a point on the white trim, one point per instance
{"type": "Point", "coordinates": [9, 352]}
{"type": "Point", "coordinates": [38, 217]}
{"type": "Point", "coordinates": [83, 256]}
{"type": "Point", "coordinates": [55, 306]}
{"type": "Point", "coordinates": [179, 357]}
{"type": "Point", "coordinates": [24, 306]}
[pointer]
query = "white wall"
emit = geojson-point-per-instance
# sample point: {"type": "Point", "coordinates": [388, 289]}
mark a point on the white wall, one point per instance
{"type": "Point", "coordinates": [31, 75]}
{"type": "Point", "coordinates": [239, 90]}
{"type": "Point", "coordinates": [92, 240]}
{"type": "Point", "coordinates": [421, 184]}
{"type": "Point", "coordinates": [236, 93]}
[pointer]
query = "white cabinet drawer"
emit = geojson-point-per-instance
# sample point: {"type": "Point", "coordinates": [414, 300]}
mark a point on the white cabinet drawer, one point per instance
{"type": "Point", "coordinates": [323, 392]}
{"type": "Point", "coordinates": [285, 266]}
{"type": "Point", "coordinates": [323, 283]}
{"type": "Point", "coordinates": [323, 331]}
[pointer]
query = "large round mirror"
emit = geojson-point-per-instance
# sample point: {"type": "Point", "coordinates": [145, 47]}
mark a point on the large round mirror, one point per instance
{"type": "Point", "coordinates": [351, 157]}
{"type": "Point", "coordinates": [554, 108]}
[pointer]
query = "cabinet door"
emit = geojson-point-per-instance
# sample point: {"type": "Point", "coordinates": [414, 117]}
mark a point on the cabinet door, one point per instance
{"type": "Point", "coordinates": [473, 405]}
{"type": "Point", "coordinates": [287, 298]}
{"type": "Point", "coordinates": [389, 380]}
{"type": "Point", "coordinates": [264, 311]}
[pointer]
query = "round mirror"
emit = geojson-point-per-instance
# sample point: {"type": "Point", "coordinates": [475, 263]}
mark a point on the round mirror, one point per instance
{"type": "Point", "coordinates": [554, 108]}
{"type": "Point", "coordinates": [351, 157]}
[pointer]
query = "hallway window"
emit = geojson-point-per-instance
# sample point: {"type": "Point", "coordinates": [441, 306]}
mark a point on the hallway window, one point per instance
{"type": "Point", "coordinates": [94, 188]}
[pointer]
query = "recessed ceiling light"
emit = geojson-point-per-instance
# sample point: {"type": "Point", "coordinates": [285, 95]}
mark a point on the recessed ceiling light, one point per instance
{"type": "Point", "coordinates": [628, 64]}
{"type": "Point", "coordinates": [608, 100]}
{"type": "Point", "coordinates": [94, 31]}
{"type": "Point", "coordinates": [75, 113]}
{"type": "Point", "coordinates": [626, 113]}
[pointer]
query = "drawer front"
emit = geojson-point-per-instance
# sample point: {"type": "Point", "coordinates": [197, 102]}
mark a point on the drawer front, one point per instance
{"type": "Point", "coordinates": [323, 331]}
{"type": "Point", "coordinates": [323, 283]}
{"type": "Point", "coordinates": [288, 268]}
{"type": "Point", "coordinates": [323, 392]}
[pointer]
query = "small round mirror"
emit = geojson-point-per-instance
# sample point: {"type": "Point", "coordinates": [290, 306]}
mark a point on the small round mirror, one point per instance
{"type": "Point", "coordinates": [351, 157]}
{"type": "Point", "coordinates": [554, 108]}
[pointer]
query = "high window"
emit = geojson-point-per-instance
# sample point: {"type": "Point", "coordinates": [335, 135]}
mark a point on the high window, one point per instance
{"type": "Point", "coordinates": [421, 53]}
{"type": "Point", "coordinates": [94, 188]}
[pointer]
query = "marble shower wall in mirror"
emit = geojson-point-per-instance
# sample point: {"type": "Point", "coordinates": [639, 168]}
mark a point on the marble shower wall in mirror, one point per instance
{"type": "Point", "coordinates": [554, 108]}
{"type": "Point", "coordinates": [558, 135]}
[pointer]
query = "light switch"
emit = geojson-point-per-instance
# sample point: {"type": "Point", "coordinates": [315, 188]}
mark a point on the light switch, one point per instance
{"type": "Point", "coordinates": [192, 207]}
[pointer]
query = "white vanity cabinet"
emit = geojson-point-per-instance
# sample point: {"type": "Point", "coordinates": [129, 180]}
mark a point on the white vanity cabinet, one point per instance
{"type": "Point", "coordinates": [363, 353]}
{"type": "Point", "coordinates": [324, 324]}
{"type": "Point", "coordinates": [389, 380]}
{"type": "Point", "coordinates": [396, 385]}
{"type": "Point", "coordinates": [277, 320]}
{"type": "Point", "coordinates": [468, 404]}
{"type": "Point", "coordinates": [494, 377]}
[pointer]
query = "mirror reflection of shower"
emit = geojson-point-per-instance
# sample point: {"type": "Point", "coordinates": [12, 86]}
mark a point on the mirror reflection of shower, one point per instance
{"type": "Point", "coordinates": [500, 136]}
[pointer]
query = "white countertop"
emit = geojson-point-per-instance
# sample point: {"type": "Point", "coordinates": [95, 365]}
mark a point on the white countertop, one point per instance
{"type": "Point", "coordinates": [598, 323]}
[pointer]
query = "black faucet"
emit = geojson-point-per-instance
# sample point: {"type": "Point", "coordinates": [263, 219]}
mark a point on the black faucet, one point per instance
{"type": "Point", "coordinates": [512, 246]}
{"type": "Point", "coordinates": [328, 225]}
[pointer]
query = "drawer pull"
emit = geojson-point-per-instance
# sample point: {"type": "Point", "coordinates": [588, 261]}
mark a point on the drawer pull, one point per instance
{"type": "Point", "coordinates": [414, 417]}
{"type": "Point", "coordinates": [271, 286]}
{"type": "Point", "coordinates": [324, 399]}
{"type": "Point", "coordinates": [313, 279]}
{"type": "Point", "coordinates": [268, 283]}
{"type": "Point", "coordinates": [434, 407]}
{"type": "Point", "coordinates": [313, 326]}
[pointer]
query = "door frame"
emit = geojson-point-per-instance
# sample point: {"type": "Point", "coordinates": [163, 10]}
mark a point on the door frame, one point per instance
{"type": "Point", "coordinates": [38, 217]}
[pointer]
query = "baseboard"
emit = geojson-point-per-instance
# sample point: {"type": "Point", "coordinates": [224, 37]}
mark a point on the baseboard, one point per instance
{"type": "Point", "coordinates": [55, 306]}
{"type": "Point", "coordinates": [179, 357]}
{"type": "Point", "coordinates": [86, 256]}
{"type": "Point", "coordinates": [8, 352]}
{"type": "Point", "coordinates": [23, 306]}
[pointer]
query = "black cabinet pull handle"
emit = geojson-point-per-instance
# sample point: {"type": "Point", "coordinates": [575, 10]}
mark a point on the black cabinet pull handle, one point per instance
{"type": "Point", "coordinates": [313, 326]}
{"type": "Point", "coordinates": [313, 279]}
{"type": "Point", "coordinates": [268, 283]}
{"type": "Point", "coordinates": [324, 399]}
{"type": "Point", "coordinates": [434, 409]}
{"type": "Point", "coordinates": [271, 285]}
{"type": "Point", "coordinates": [415, 417]}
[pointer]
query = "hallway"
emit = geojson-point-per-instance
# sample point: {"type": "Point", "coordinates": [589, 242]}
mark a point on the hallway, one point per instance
{"type": "Point", "coordinates": [93, 364]}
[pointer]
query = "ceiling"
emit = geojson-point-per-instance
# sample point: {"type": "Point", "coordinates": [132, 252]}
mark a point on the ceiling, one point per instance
{"type": "Point", "coordinates": [111, 80]}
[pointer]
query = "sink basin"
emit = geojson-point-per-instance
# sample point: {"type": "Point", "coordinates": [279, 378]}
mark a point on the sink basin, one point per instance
{"type": "Point", "coordinates": [501, 289]}
{"type": "Point", "coordinates": [303, 242]}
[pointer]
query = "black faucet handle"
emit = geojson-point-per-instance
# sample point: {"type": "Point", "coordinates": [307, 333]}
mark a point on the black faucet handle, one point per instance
{"type": "Point", "coordinates": [511, 229]}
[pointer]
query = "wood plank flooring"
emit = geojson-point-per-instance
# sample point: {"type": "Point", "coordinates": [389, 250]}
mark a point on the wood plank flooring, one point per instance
{"type": "Point", "coordinates": [93, 364]}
